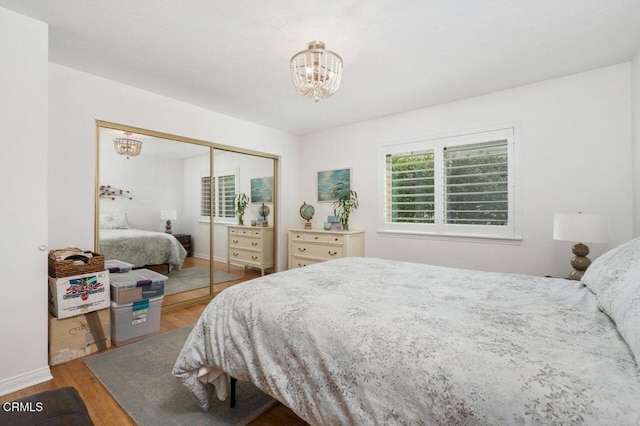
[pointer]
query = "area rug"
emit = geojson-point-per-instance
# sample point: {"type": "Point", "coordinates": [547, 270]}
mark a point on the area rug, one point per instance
{"type": "Point", "coordinates": [192, 278]}
{"type": "Point", "coordinates": [139, 377]}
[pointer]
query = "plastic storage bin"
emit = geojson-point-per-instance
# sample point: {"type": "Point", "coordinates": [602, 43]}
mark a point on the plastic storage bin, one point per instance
{"type": "Point", "coordinates": [135, 321]}
{"type": "Point", "coordinates": [136, 285]}
{"type": "Point", "coordinates": [117, 266]}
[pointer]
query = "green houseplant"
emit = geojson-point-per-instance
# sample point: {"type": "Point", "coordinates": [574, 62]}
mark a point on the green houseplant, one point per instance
{"type": "Point", "coordinates": [241, 202]}
{"type": "Point", "coordinates": [345, 203]}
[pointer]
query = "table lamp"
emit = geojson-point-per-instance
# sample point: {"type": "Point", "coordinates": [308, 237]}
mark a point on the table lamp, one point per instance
{"type": "Point", "coordinates": [168, 215]}
{"type": "Point", "coordinates": [581, 228]}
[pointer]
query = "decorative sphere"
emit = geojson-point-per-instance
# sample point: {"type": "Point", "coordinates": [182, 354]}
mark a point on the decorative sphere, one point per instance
{"type": "Point", "coordinates": [307, 211]}
{"type": "Point", "coordinates": [264, 210]}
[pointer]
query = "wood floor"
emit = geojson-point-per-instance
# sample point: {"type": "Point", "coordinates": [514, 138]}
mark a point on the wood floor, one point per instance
{"type": "Point", "coordinates": [104, 410]}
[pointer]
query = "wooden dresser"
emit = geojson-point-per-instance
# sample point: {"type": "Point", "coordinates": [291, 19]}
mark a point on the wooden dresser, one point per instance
{"type": "Point", "coordinates": [250, 246]}
{"type": "Point", "coordinates": [185, 240]}
{"type": "Point", "coordinates": [308, 246]}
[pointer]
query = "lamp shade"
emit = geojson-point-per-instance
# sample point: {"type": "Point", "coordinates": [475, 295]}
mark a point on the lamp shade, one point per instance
{"type": "Point", "coordinates": [168, 214]}
{"type": "Point", "coordinates": [580, 227]}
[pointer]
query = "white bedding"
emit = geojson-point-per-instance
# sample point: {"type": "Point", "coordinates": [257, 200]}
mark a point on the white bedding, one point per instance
{"type": "Point", "coordinates": [371, 341]}
{"type": "Point", "coordinates": [141, 248]}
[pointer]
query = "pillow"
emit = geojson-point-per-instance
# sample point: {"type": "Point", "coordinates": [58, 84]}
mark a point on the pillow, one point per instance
{"type": "Point", "coordinates": [114, 221]}
{"type": "Point", "coordinates": [621, 301]}
{"type": "Point", "coordinates": [612, 266]}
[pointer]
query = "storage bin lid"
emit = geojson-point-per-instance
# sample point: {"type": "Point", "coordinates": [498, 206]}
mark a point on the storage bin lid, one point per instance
{"type": "Point", "coordinates": [138, 304]}
{"type": "Point", "coordinates": [114, 265]}
{"type": "Point", "coordinates": [136, 278]}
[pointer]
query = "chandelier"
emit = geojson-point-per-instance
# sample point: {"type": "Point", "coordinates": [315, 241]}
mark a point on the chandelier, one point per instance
{"type": "Point", "coordinates": [126, 146]}
{"type": "Point", "coordinates": [316, 72]}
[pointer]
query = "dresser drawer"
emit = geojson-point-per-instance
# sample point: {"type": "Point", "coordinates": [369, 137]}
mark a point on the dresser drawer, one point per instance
{"type": "Point", "coordinates": [298, 262]}
{"type": "Point", "coordinates": [319, 251]}
{"type": "Point", "coordinates": [237, 241]}
{"type": "Point", "coordinates": [246, 232]}
{"type": "Point", "coordinates": [244, 255]}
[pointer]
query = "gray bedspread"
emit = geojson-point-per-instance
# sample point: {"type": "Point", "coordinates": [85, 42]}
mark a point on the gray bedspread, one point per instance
{"type": "Point", "coordinates": [141, 248]}
{"type": "Point", "coordinates": [370, 341]}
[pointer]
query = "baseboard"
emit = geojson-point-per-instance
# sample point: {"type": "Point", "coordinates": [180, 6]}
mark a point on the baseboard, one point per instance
{"type": "Point", "coordinates": [24, 380]}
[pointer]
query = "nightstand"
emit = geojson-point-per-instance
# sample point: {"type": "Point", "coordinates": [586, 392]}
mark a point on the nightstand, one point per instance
{"type": "Point", "coordinates": [185, 240]}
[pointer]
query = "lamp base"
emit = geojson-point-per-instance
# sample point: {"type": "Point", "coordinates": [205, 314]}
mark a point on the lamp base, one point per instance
{"type": "Point", "coordinates": [167, 227]}
{"type": "Point", "coordinates": [580, 261]}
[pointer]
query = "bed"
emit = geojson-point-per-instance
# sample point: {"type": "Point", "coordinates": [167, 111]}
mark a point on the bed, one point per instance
{"type": "Point", "coordinates": [137, 246]}
{"type": "Point", "coordinates": [373, 341]}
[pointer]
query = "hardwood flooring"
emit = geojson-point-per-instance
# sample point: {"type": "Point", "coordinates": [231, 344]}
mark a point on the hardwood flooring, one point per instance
{"type": "Point", "coordinates": [104, 410]}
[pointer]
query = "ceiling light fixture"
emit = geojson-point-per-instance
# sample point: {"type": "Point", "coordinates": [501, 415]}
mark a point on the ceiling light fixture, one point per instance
{"type": "Point", "coordinates": [316, 72]}
{"type": "Point", "coordinates": [126, 146]}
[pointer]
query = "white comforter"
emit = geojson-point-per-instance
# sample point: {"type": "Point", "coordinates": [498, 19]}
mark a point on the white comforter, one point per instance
{"type": "Point", "coordinates": [141, 248]}
{"type": "Point", "coordinates": [370, 341]}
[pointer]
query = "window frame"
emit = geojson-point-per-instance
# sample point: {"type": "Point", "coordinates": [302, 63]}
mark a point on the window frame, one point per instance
{"type": "Point", "coordinates": [214, 194]}
{"type": "Point", "coordinates": [510, 231]}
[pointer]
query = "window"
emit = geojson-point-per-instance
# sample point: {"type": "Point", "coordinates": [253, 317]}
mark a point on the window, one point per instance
{"type": "Point", "coordinates": [223, 188]}
{"type": "Point", "coordinates": [460, 185]}
{"type": "Point", "coordinates": [226, 191]}
{"type": "Point", "coordinates": [205, 196]}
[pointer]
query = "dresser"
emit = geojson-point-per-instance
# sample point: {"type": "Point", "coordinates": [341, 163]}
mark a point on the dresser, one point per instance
{"type": "Point", "coordinates": [250, 246]}
{"type": "Point", "coordinates": [185, 240]}
{"type": "Point", "coordinates": [308, 246]}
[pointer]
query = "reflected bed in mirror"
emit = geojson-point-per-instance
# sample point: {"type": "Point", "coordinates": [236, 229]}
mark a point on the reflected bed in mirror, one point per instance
{"type": "Point", "coordinates": [155, 208]}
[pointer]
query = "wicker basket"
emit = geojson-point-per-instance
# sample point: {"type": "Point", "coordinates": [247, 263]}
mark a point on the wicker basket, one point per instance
{"type": "Point", "coordinates": [69, 267]}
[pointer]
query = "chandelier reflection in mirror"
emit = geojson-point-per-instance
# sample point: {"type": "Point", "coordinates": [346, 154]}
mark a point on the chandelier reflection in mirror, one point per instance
{"type": "Point", "coordinates": [316, 72]}
{"type": "Point", "coordinates": [127, 146]}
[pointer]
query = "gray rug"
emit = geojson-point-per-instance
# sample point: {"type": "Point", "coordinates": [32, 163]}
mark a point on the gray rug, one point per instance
{"type": "Point", "coordinates": [192, 278]}
{"type": "Point", "coordinates": [139, 377]}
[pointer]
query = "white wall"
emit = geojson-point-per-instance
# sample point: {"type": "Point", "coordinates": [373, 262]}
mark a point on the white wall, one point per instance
{"type": "Point", "coordinates": [77, 99]}
{"type": "Point", "coordinates": [154, 183]}
{"type": "Point", "coordinates": [23, 209]}
{"type": "Point", "coordinates": [575, 155]}
{"type": "Point", "coordinates": [635, 101]}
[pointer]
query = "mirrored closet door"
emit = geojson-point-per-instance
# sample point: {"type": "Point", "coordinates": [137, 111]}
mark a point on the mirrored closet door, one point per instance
{"type": "Point", "coordinates": [167, 204]}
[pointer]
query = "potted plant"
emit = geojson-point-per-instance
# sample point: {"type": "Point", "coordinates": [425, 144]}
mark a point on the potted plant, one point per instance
{"type": "Point", "coordinates": [241, 202]}
{"type": "Point", "coordinates": [346, 202]}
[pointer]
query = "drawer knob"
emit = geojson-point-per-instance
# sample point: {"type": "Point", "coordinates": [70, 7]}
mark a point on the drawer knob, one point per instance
{"type": "Point", "coordinates": [300, 265]}
{"type": "Point", "coordinates": [302, 249]}
{"type": "Point", "coordinates": [315, 238]}
{"type": "Point", "coordinates": [332, 254]}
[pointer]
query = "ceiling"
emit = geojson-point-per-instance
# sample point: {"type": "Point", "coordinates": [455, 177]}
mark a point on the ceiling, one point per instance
{"type": "Point", "coordinates": [232, 56]}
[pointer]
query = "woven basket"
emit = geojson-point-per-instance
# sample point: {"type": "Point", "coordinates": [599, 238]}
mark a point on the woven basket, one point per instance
{"type": "Point", "coordinates": [68, 268]}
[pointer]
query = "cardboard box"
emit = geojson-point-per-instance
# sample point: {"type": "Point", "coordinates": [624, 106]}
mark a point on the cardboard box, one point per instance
{"type": "Point", "coordinates": [79, 294]}
{"type": "Point", "coordinates": [81, 335]}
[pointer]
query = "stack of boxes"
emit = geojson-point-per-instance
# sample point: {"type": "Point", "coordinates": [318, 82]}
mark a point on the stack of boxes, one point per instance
{"type": "Point", "coordinates": [136, 303]}
{"type": "Point", "coordinates": [94, 302]}
{"type": "Point", "coordinates": [79, 299]}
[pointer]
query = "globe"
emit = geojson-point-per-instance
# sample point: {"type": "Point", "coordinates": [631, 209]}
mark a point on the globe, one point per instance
{"type": "Point", "coordinates": [264, 211]}
{"type": "Point", "coordinates": [307, 211]}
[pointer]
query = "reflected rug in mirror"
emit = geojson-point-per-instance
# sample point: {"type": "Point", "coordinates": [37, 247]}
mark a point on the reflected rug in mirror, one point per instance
{"type": "Point", "coordinates": [139, 377]}
{"type": "Point", "coordinates": [191, 278]}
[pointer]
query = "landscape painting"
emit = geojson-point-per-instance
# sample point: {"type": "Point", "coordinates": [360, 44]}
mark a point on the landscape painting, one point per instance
{"type": "Point", "coordinates": [262, 190]}
{"type": "Point", "coordinates": [327, 181]}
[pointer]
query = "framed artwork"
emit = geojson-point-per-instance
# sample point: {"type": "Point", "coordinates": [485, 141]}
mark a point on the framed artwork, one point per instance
{"type": "Point", "coordinates": [262, 190]}
{"type": "Point", "coordinates": [327, 181]}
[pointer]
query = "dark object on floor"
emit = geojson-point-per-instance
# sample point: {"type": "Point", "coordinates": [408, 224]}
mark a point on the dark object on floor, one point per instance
{"type": "Point", "coordinates": [57, 407]}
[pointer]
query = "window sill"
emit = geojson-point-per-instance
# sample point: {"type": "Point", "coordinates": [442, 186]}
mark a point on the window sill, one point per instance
{"type": "Point", "coordinates": [497, 239]}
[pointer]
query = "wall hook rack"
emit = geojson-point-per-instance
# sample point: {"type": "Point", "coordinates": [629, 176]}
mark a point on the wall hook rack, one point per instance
{"type": "Point", "coordinates": [108, 191]}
